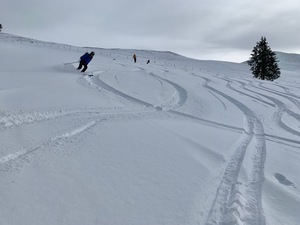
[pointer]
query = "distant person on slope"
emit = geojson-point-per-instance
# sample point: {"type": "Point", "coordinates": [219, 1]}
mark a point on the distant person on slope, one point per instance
{"type": "Point", "coordinates": [84, 61]}
{"type": "Point", "coordinates": [134, 58]}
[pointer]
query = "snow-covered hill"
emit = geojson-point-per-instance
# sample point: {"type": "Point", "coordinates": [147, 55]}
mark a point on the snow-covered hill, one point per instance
{"type": "Point", "coordinates": [289, 61]}
{"type": "Point", "coordinates": [177, 141]}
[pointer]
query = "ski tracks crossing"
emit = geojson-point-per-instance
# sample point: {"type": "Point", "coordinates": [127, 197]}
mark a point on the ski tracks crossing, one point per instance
{"type": "Point", "coordinates": [236, 202]}
{"type": "Point", "coordinates": [281, 106]}
{"type": "Point", "coordinates": [14, 120]}
{"type": "Point", "coordinates": [82, 122]}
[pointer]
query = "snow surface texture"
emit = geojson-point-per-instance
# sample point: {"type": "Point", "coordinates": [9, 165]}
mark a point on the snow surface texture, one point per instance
{"type": "Point", "coordinates": [177, 141]}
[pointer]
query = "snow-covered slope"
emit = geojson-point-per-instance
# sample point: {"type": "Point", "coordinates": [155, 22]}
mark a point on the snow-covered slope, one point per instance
{"type": "Point", "coordinates": [176, 141]}
{"type": "Point", "coordinates": [289, 61]}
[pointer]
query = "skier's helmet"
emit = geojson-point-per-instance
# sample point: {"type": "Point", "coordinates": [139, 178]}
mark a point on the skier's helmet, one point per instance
{"type": "Point", "coordinates": [92, 53]}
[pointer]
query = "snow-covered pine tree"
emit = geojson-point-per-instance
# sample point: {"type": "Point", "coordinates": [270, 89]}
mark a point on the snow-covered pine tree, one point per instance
{"type": "Point", "coordinates": [263, 61]}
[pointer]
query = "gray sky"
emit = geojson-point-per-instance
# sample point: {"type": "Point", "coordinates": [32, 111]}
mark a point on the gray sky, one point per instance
{"type": "Point", "coordinates": [215, 29]}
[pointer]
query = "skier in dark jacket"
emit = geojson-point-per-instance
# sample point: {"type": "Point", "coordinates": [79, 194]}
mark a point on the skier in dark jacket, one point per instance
{"type": "Point", "coordinates": [84, 61]}
{"type": "Point", "coordinates": [134, 58]}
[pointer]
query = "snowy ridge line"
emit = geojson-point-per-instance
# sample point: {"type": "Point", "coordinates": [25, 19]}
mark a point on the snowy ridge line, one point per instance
{"type": "Point", "coordinates": [219, 213]}
{"type": "Point", "coordinates": [10, 157]}
{"type": "Point", "coordinates": [7, 38]}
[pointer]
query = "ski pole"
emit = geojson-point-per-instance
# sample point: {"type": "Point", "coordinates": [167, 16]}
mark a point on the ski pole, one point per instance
{"type": "Point", "coordinates": [70, 63]}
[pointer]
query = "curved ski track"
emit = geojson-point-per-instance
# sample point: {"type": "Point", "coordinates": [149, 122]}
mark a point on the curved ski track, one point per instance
{"type": "Point", "coordinates": [96, 81]}
{"type": "Point", "coordinates": [11, 120]}
{"type": "Point", "coordinates": [280, 106]}
{"type": "Point", "coordinates": [86, 118]}
{"type": "Point", "coordinates": [234, 202]}
{"type": "Point", "coordinates": [237, 203]}
{"type": "Point", "coordinates": [230, 206]}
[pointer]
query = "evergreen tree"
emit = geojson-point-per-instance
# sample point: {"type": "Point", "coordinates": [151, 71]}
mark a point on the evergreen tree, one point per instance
{"type": "Point", "coordinates": [263, 61]}
{"type": "Point", "coordinates": [1, 27]}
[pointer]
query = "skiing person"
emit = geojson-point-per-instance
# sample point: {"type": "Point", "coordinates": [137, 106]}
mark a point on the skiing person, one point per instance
{"type": "Point", "coordinates": [148, 61]}
{"type": "Point", "coordinates": [134, 57]}
{"type": "Point", "coordinates": [84, 61]}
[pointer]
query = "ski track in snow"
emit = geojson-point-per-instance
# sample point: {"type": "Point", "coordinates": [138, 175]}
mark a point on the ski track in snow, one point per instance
{"type": "Point", "coordinates": [24, 154]}
{"type": "Point", "coordinates": [171, 108]}
{"type": "Point", "coordinates": [180, 92]}
{"type": "Point", "coordinates": [235, 203]}
{"type": "Point", "coordinates": [245, 94]}
{"type": "Point", "coordinates": [231, 206]}
{"type": "Point", "coordinates": [13, 120]}
{"type": "Point", "coordinates": [273, 102]}
{"type": "Point", "coordinates": [98, 83]}
{"type": "Point", "coordinates": [281, 106]}
{"type": "Point", "coordinates": [228, 186]}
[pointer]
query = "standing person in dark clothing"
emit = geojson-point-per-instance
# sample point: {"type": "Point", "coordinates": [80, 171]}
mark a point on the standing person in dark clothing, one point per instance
{"type": "Point", "coordinates": [134, 58]}
{"type": "Point", "coordinates": [84, 61]}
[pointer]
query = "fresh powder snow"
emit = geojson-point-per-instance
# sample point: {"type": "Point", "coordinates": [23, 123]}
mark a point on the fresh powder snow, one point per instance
{"type": "Point", "coordinates": [177, 141]}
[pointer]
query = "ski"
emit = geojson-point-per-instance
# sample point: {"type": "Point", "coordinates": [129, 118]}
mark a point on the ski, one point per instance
{"type": "Point", "coordinates": [90, 75]}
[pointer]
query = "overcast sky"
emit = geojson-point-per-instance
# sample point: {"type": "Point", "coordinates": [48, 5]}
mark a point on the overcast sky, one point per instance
{"type": "Point", "coordinates": [215, 29]}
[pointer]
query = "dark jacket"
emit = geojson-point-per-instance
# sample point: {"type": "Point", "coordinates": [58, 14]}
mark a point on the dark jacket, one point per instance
{"type": "Point", "coordinates": [86, 58]}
